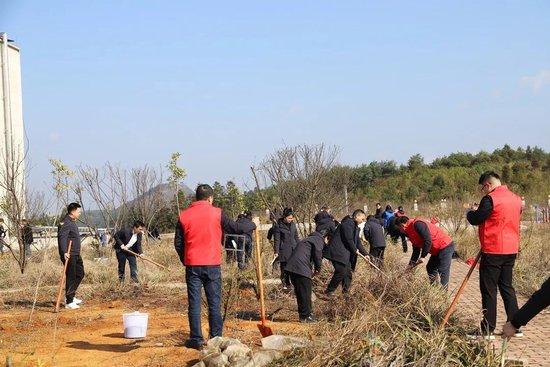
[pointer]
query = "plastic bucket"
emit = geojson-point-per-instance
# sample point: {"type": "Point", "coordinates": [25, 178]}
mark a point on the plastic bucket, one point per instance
{"type": "Point", "coordinates": [135, 324]}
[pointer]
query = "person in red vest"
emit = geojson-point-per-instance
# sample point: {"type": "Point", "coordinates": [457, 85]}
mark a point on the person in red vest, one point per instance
{"type": "Point", "coordinates": [198, 242]}
{"type": "Point", "coordinates": [497, 217]}
{"type": "Point", "coordinates": [427, 238]}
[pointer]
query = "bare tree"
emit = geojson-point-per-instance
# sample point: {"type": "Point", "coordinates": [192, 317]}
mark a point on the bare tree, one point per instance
{"type": "Point", "coordinates": [148, 197]}
{"type": "Point", "coordinates": [303, 178]}
{"type": "Point", "coordinates": [12, 203]}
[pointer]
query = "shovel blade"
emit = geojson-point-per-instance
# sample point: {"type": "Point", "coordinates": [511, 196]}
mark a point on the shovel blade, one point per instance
{"type": "Point", "coordinates": [265, 330]}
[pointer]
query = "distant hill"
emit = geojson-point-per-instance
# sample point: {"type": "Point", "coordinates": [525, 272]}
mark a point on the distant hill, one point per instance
{"type": "Point", "coordinates": [455, 176]}
{"type": "Point", "coordinates": [167, 193]}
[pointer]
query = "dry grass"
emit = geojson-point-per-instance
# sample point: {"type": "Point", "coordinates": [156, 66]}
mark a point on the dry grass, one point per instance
{"type": "Point", "coordinates": [390, 321]}
{"type": "Point", "coordinates": [387, 322]}
{"type": "Point", "coordinates": [533, 264]}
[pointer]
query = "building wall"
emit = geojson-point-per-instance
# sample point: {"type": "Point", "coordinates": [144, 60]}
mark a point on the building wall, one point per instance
{"type": "Point", "coordinates": [11, 119]}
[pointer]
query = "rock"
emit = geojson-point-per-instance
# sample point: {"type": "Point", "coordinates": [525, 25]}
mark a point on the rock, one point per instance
{"type": "Point", "coordinates": [226, 342]}
{"type": "Point", "coordinates": [264, 357]}
{"type": "Point", "coordinates": [237, 351]}
{"type": "Point", "coordinates": [242, 362]}
{"type": "Point", "coordinates": [199, 364]}
{"type": "Point", "coordinates": [216, 360]}
{"type": "Point", "coordinates": [283, 343]}
{"type": "Point", "coordinates": [218, 345]}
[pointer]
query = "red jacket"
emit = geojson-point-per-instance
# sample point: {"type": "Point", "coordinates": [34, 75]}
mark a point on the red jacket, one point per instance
{"type": "Point", "coordinates": [499, 233]}
{"type": "Point", "coordinates": [202, 227]}
{"type": "Point", "coordinates": [440, 238]}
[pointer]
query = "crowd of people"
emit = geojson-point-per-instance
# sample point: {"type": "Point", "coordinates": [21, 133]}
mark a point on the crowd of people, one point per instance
{"type": "Point", "coordinates": [201, 228]}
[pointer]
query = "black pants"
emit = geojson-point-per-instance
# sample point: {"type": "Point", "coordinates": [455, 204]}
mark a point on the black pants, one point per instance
{"type": "Point", "coordinates": [285, 277]}
{"type": "Point", "coordinates": [377, 255]}
{"type": "Point", "coordinates": [496, 271]}
{"type": "Point", "coordinates": [74, 274]}
{"type": "Point", "coordinates": [440, 264]}
{"type": "Point", "coordinates": [342, 275]}
{"type": "Point", "coordinates": [302, 289]}
{"type": "Point", "coordinates": [538, 302]}
{"type": "Point", "coordinates": [245, 252]}
{"type": "Point", "coordinates": [398, 235]}
{"type": "Point", "coordinates": [122, 256]}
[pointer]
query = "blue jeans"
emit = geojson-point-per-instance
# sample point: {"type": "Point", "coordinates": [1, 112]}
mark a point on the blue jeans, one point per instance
{"type": "Point", "coordinates": [441, 264]}
{"type": "Point", "coordinates": [122, 256]}
{"type": "Point", "coordinates": [209, 277]}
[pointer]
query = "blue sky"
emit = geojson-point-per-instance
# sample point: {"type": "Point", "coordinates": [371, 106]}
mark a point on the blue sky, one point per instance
{"type": "Point", "coordinates": [226, 83]}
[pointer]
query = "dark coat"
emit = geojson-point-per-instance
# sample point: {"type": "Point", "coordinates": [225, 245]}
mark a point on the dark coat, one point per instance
{"type": "Point", "coordinates": [392, 228]}
{"type": "Point", "coordinates": [244, 221]}
{"type": "Point", "coordinates": [27, 235]}
{"type": "Point", "coordinates": [324, 220]}
{"type": "Point", "coordinates": [307, 251]}
{"type": "Point", "coordinates": [344, 243]}
{"type": "Point", "coordinates": [374, 233]}
{"type": "Point", "coordinates": [123, 236]}
{"type": "Point", "coordinates": [67, 231]}
{"type": "Point", "coordinates": [285, 239]}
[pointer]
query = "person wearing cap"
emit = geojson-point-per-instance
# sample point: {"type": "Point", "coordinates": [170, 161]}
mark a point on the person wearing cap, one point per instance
{"type": "Point", "coordinates": [324, 220]}
{"type": "Point", "coordinates": [498, 219]}
{"type": "Point", "coordinates": [285, 238]}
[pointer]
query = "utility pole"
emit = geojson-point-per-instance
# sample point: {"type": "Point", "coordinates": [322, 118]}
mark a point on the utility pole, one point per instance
{"type": "Point", "coordinates": [346, 198]}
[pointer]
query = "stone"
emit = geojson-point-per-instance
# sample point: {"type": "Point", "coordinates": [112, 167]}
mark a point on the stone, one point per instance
{"type": "Point", "coordinates": [283, 343]}
{"type": "Point", "coordinates": [236, 351]}
{"type": "Point", "coordinates": [199, 364]}
{"type": "Point", "coordinates": [216, 360]}
{"type": "Point", "coordinates": [264, 357]}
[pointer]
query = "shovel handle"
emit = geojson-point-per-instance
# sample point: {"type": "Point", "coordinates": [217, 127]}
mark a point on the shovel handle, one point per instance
{"type": "Point", "coordinates": [452, 306]}
{"type": "Point", "coordinates": [145, 258]}
{"type": "Point", "coordinates": [259, 274]}
{"type": "Point", "coordinates": [63, 276]}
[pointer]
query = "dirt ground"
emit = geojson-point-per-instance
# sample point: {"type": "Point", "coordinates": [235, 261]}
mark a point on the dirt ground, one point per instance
{"type": "Point", "coordinates": [93, 335]}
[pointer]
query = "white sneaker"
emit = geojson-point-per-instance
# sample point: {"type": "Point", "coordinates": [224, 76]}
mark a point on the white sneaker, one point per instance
{"type": "Point", "coordinates": [75, 300]}
{"type": "Point", "coordinates": [72, 306]}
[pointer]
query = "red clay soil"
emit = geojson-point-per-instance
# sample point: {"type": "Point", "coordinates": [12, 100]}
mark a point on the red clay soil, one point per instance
{"type": "Point", "coordinates": [93, 336]}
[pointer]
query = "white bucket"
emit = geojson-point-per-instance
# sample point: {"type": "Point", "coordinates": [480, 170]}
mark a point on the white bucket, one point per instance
{"type": "Point", "coordinates": [135, 324]}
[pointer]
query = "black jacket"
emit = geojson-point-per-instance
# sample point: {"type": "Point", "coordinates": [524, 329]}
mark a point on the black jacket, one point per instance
{"type": "Point", "coordinates": [285, 239]}
{"type": "Point", "coordinates": [123, 236]}
{"type": "Point", "coordinates": [324, 220]}
{"type": "Point", "coordinates": [27, 235]}
{"type": "Point", "coordinates": [344, 243]}
{"type": "Point", "coordinates": [67, 230]}
{"type": "Point", "coordinates": [245, 222]}
{"type": "Point", "coordinates": [307, 251]}
{"type": "Point", "coordinates": [374, 233]}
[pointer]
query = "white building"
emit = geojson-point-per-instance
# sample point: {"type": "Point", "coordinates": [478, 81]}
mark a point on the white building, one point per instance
{"type": "Point", "coordinates": [12, 132]}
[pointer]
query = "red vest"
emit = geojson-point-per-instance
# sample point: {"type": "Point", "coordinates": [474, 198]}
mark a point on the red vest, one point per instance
{"type": "Point", "coordinates": [440, 238]}
{"type": "Point", "coordinates": [202, 232]}
{"type": "Point", "coordinates": [499, 234]}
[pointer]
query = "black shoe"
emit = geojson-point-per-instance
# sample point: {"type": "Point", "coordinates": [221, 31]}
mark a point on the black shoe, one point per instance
{"type": "Point", "coordinates": [308, 320]}
{"type": "Point", "coordinates": [193, 344]}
